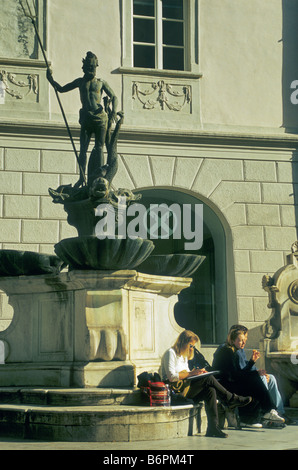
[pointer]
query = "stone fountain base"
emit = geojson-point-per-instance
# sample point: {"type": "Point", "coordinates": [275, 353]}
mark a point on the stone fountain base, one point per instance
{"type": "Point", "coordinates": [94, 415]}
{"type": "Point", "coordinates": [281, 365]}
{"type": "Point", "coordinates": [280, 331]}
{"type": "Point", "coordinates": [88, 328]}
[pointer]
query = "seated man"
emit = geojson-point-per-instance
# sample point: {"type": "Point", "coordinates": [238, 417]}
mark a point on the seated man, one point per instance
{"type": "Point", "coordinates": [242, 374]}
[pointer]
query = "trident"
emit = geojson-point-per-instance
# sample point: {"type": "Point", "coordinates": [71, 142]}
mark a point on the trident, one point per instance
{"type": "Point", "coordinates": [28, 13]}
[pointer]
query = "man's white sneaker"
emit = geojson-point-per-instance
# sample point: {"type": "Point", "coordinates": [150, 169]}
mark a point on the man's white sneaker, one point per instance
{"type": "Point", "coordinates": [253, 425]}
{"type": "Point", "coordinates": [273, 416]}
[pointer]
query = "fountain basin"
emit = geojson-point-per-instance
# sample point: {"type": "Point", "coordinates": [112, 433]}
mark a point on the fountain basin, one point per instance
{"type": "Point", "coordinates": [109, 254]}
{"type": "Point", "coordinates": [27, 263]}
{"type": "Point", "coordinates": [181, 265]}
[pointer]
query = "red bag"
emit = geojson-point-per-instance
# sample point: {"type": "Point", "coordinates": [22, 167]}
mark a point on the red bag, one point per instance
{"type": "Point", "coordinates": [158, 393]}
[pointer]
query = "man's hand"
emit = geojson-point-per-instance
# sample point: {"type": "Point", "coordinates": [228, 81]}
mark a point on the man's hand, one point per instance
{"type": "Point", "coordinates": [263, 372]}
{"type": "Point", "coordinates": [113, 116]}
{"type": "Point", "coordinates": [255, 355]}
{"type": "Point", "coordinates": [50, 76]}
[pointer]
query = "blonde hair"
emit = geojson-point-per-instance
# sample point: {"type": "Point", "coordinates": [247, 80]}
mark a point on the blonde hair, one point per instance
{"type": "Point", "coordinates": [183, 340]}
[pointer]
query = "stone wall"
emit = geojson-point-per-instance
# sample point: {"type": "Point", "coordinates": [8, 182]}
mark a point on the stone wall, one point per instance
{"type": "Point", "coordinates": [29, 220]}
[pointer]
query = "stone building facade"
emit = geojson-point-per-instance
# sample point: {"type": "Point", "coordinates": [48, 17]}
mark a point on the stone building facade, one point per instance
{"type": "Point", "coordinates": [219, 129]}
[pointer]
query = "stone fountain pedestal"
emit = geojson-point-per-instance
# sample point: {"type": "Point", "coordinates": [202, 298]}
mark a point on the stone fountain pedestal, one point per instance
{"type": "Point", "coordinates": [280, 331]}
{"type": "Point", "coordinates": [87, 328]}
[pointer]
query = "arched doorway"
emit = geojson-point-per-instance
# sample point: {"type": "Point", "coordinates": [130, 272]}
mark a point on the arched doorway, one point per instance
{"type": "Point", "coordinates": [203, 307]}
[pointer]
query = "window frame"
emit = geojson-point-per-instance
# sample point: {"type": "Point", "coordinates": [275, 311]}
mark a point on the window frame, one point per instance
{"type": "Point", "coordinates": [158, 44]}
{"type": "Point", "coordinates": [191, 47]}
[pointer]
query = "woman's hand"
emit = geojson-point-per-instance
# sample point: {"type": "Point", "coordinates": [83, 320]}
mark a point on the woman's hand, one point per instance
{"type": "Point", "coordinates": [197, 372]}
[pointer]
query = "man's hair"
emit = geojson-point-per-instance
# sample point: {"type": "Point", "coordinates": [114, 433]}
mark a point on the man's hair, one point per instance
{"type": "Point", "coordinates": [90, 56]}
{"type": "Point", "coordinates": [233, 334]}
{"type": "Point", "coordinates": [182, 341]}
{"type": "Point", "coordinates": [239, 327]}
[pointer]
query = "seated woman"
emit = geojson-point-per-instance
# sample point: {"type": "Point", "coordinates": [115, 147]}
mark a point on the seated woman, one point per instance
{"type": "Point", "coordinates": [244, 378]}
{"type": "Point", "coordinates": [175, 368]}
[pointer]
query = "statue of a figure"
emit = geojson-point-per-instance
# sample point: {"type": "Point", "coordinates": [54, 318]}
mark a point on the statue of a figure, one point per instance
{"type": "Point", "coordinates": [94, 118]}
{"type": "Point", "coordinates": [99, 185]}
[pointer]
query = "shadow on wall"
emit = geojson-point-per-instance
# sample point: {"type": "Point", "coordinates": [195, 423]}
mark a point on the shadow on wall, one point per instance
{"type": "Point", "coordinates": [254, 336]}
{"type": "Point", "coordinates": [290, 87]}
{"type": "Point", "coordinates": [290, 65]}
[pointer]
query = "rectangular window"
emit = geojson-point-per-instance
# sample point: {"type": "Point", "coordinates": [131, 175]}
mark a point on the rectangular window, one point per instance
{"type": "Point", "coordinates": [159, 34]}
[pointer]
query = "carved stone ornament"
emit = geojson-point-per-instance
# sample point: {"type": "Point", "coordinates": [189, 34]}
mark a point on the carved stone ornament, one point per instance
{"type": "Point", "coordinates": [30, 85]}
{"type": "Point", "coordinates": [281, 329]}
{"type": "Point", "coordinates": [293, 293]}
{"type": "Point", "coordinates": [160, 95]}
{"type": "Point", "coordinates": [282, 288]}
{"type": "Point", "coordinates": [271, 328]}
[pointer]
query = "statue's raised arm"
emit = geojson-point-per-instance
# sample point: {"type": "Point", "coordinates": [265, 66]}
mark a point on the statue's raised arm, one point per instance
{"type": "Point", "coordinates": [65, 88]}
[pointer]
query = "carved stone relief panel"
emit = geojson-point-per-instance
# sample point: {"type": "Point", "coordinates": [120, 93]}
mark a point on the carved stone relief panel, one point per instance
{"type": "Point", "coordinates": [161, 101]}
{"type": "Point", "coordinates": [19, 86]}
{"type": "Point", "coordinates": [142, 335]}
{"type": "Point", "coordinates": [162, 95]}
{"type": "Point", "coordinates": [23, 90]}
{"type": "Point", "coordinates": [54, 324]}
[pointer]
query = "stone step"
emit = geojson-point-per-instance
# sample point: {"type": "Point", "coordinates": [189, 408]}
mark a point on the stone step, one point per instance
{"type": "Point", "coordinates": [115, 423]}
{"type": "Point", "coordinates": [70, 396]}
{"type": "Point", "coordinates": [90, 415]}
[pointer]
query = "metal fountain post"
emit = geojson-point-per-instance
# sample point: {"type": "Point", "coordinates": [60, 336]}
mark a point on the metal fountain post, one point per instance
{"type": "Point", "coordinates": [28, 13]}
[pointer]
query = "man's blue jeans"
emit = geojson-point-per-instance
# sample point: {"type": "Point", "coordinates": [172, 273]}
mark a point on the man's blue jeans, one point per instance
{"type": "Point", "coordinates": [274, 392]}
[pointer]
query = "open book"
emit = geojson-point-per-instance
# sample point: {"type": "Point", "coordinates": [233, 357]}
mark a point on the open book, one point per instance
{"type": "Point", "coordinates": [203, 375]}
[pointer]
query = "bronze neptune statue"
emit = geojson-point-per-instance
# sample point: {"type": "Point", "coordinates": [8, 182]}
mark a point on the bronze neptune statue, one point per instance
{"type": "Point", "coordinates": [94, 118]}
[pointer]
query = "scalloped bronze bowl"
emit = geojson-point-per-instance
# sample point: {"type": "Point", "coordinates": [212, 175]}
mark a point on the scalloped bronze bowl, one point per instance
{"type": "Point", "coordinates": [28, 263]}
{"type": "Point", "coordinates": [180, 265]}
{"type": "Point", "coordinates": [109, 254]}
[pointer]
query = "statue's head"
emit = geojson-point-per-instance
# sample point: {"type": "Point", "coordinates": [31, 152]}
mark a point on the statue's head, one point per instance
{"type": "Point", "coordinates": [99, 188]}
{"type": "Point", "coordinates": [90, 63]}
